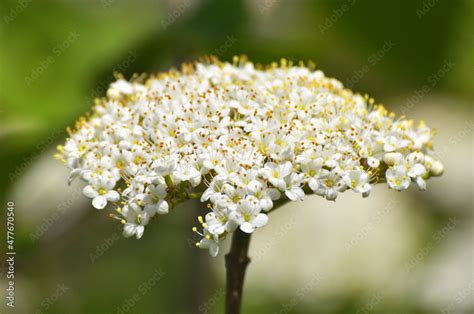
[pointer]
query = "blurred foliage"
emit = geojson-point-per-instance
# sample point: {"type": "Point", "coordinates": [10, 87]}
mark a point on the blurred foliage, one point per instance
{"type": "Point", "coordinates": [49, 77]}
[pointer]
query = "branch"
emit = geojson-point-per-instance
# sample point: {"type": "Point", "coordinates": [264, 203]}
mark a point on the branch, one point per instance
{"type": "Point", "coordinates": [236, 262]}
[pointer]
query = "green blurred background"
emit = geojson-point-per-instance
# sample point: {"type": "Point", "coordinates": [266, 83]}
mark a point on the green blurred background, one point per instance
{"type": "Point", "coordinates": [391, 253]}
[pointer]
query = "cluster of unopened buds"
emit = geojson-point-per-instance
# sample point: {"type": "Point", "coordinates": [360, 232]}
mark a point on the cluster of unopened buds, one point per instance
{"type": "Point", "coordinates": [242, 138]}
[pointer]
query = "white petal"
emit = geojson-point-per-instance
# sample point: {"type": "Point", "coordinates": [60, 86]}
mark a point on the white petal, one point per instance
{"type": "Point", "coordinates": [207, 194]}
{"type": "Point", "coordinates": [247, 227]}
{"type": "Point", "coordinates": [331, 163]}
{"type": "Point", "coordinates": [417, 170]}
{"type": "Point", "coordinates": [295, 194]}
{"type": "Point", "coordinates": [204, 243]}
{"type": "Point", "coordinates": [213, 249]}
{"type": "Point", "coordinates": [287, 167]}
{"type": "Point", "coordinates": [195, 181]}
{"type": "Point", "coordinates": [207, 164]}
{"type": "Point", "coordinates": [112, 196]}
{"type": "Point", "coordinates": [163, 207]}
{"type": "Point", "coordinates": [274, 194]}
{"type": "Point", "coordinates": [254, 186]}
{"type": "Point", "coordinates": [151, 209]}
{"type": "Point", "coordinates": [129, 230]}
{"type": "Point", "coordinates": [161, 191]}
{"type": "Point", "coordinates": [74, 174]}
{"type": "Point", "coordinates": [331, 194]}
{"type": "Point", "coordinates": [365, 188]}
{"type": "Point", "coordinates": [89, 191]}
{"type": "Point", "coordinates": [406, 183]}
{"type": "Point", "coordinates": [388, 148]}
{"type": "Point", "coordinates": [110, 184]}
{"type": "Point", "coordinates": [421, 183]}
{"type": "Point", "coordinates": [236, 218]}
{"type": "Point", "coordinates": [313, 184]}
{"type": "Point", "coordinates": [265, 173]}
{"type": "Point", "coordinates": [266, 204]}
{"type": "Point", "coordinates": [231, 226]}
{"type": "Point", "coordinates": [216, 229]}
{"type": "Point", "coordinates": [279, 183]}
{"type": "Point", "coordinates": [260, 221]}
{"type": "Point", "coordinates": [347, 180]}
{"type": "Point", "coordinates": [99, 202]}
{"type": "Point", "coordinates": [139, 231]}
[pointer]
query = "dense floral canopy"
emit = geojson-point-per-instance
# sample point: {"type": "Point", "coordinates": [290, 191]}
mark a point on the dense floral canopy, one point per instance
{"type": "Point", "coordinates": [242, 138]}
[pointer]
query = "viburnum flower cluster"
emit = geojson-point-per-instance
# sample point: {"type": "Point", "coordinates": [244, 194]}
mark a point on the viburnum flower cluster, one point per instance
{"type": "Point", "coordinates": [243, 139]}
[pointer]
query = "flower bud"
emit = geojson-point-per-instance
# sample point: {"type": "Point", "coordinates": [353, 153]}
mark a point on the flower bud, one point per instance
{"type": "Point", "coordinates": [437, 168]}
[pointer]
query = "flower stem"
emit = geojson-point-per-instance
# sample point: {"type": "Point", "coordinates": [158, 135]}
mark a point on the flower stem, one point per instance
{"type": "Point", "coordinates": [194, 196]}
{"type": "Point", "coordinates": [236, 262]}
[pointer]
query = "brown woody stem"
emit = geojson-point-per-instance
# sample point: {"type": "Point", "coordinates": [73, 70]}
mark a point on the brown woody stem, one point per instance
{"type": "Point", "coordinates": [236, 262]}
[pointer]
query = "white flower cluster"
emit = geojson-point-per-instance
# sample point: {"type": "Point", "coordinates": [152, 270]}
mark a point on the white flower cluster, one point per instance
{"type": "Point", "coordinates": [243, 139]}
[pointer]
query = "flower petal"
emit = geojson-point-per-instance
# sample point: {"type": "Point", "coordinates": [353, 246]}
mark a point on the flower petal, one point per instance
{"type": "Point", "coordinates": [129, 230]}
{"type": "Point", "coordinates": [99, 202]}
{"type": "Point", "coordinates": [89, 191]}
{"type": "Point", "coordinates": [213, 249]}
{"type": "Point", "coordinates": [417, 170]}
{"type": "Point", "coordinates": [313, 184]}
{"type": "Point", "coordinates": [139, 231]}
{"type": "Point", "coordinates": [112, 196]}
{"type": "Point", "coordinates": [295, 194]}
{"type": "Point", "coordinates": [247, 227]}
{"type": "Point", "coordinates": [163, 207]}
{"type": "Point", "coordinates": [260, 221]}
{"type": "Point", "coordinates": [331, 194]}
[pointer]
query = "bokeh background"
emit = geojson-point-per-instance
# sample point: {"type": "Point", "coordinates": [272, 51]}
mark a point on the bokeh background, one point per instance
{"type": "Point", "coordinates": [408, 252]}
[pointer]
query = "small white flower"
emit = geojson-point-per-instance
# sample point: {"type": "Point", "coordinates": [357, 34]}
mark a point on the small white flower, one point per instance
{"type": "Point", "coordinates": [131, 229]}
{"type": "Point", "coordinates": [328, 185]}
{"type": "Point", "coordinates": [414, 165]}
{"type": "Point", "coordinates": [248, 215]}
{"type": "Point", "coordinates": [164, 167]}
{"type": "Point", "coordinates": [101, 191]}
{"type": "Point", "coordinates": [218, 223]}
{"type": "Point", "coordinates": [154, 199]}
{"type": "Point", "coordinates": [187, 172]}
{"type": "Point", "coordinates": [211, 242]}
{"type": "Point", "coordinates": [134, 221]}
{"type": "Point", "coordinates": [358, 181]}
{"type": "Point", "coordinates": [398, 178]}
{"type": "Point", "coordinates": [264, 194]}
{"type": "Point", "coordinates": [276, 173]}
